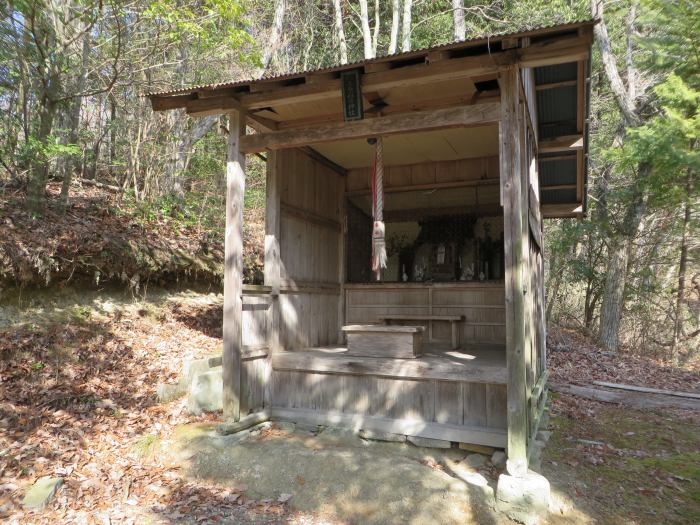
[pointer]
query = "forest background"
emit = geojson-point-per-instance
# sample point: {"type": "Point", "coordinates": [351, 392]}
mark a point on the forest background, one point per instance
{"type": "Point", "coordinates": [73, 119]}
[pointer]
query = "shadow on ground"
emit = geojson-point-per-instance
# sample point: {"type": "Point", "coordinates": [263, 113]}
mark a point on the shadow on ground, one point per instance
{"type": "Point", "coordinates": [332, 475]}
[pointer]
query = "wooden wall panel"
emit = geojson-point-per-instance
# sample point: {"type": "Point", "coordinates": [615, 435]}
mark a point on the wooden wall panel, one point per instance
{"type": "Point", "coordinates": [449, 171]}
{"type": "Point", "coordinates": [481, 305]}
{"type": "Point", "coordinates": [255, 374]}
{"type": "Point", "coordinates": [311, 197]}
{"type": "Point", "coordinates": [430, 401]}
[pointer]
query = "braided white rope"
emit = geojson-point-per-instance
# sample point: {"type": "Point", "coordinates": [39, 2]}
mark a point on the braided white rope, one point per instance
{"type": "Point", "coordinates": [379, 163]}
{"type": "Point", "coordinates": [379, 258]}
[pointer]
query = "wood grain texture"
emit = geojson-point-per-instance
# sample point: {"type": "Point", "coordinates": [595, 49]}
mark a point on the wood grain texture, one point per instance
{"type": "Point", "coordinates": [233, 269]}
{"type": "Point", "coordinates": [477, 114]}
{"type": "Point", "coordinates": [511, 198]}
{"type": "Point", "coordinates": [425, 367]}
{"type": "Point", "coordinates": [401, 344]}
{"type": "Point", "coordinates": [460, 434]}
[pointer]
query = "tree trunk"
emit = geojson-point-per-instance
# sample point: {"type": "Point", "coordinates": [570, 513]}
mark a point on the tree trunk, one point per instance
{"type": "Point", "coordinates": [340, 32]}
{"type": "Point", "coordinates": [74, 119]}
{"type": "Point", "coordinates": [366, 32]}
{"type": "Point", "coordinates": [395, 16]}
{"type": "Point", "coordinates": [613, 299]}
{"type": "Point", "coordinates": [682, 269]}
{"type": "Point", "coordinates": [275, 32]}
{"type": "Point", "coordinates": [406, 30]}
{"type": "Point", "coordinates": [39, 165]}
{"type": "Point", "coordinates": [375, 35]}
{"type": "Point", "coordinates": [458, 17]}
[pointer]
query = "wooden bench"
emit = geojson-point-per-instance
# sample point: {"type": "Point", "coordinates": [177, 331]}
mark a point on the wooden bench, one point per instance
{"type": "Point", "coordinates": [454, 320]}
{"type": "Point", "coordinates": [373, 340]}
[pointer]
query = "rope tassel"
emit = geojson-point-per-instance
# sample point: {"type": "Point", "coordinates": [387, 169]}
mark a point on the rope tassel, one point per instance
{"type": "Point", "coordinates": [379, 258]}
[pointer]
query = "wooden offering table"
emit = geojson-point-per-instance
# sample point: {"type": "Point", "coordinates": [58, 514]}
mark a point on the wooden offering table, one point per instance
{"type": "Point", "coordinates": [454, 321]}
{"type": "Point", "coordinates": [371, 340]}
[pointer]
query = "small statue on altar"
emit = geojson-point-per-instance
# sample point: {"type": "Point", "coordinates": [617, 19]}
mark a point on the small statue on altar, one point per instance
{"type": "Point", "coordinates": [467, 273]}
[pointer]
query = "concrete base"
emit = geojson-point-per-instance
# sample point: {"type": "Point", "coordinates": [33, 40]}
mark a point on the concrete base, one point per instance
{"type": "Point", "coordinates": [206, 392]}
{"type": "Point", "coordinates": [523, 499]}
{"type": "Point", "coordinates": [167, 392]}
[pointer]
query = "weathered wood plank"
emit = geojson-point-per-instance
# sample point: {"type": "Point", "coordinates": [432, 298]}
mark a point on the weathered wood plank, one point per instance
{"type": "Point", "coordinates": [422, 368]}
{"type": "Point", "coordinates": [402, 123]}
{"type": "Point", "coordinates": [449, 402]}
{"type": "Point", "coordinates": [511, 170]}
{"type": "Point", "coordinates": [233, 269]}
{"type": "Point", "coordinates": [633, 399]}
{"type": "Point", "coordinates": [647, 389]}
{"type": "Point", "coordinates": [461, 434]}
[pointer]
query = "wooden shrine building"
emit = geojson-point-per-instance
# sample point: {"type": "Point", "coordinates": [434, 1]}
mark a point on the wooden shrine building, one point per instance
{"type": "Point", "coordinates": [482, 140]}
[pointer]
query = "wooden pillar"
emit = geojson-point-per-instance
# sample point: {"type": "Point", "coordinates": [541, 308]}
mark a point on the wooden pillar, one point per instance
{"type": "Point", "coordinates": [272, 247]}
{"type": "Point", "coordinates": [233, 269]}
{"type": "Point", "coordinates": [511, 198]}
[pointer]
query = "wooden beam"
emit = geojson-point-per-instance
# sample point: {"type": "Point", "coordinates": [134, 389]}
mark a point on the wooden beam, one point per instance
{"type": "Point", "coordinates": [418, 105]}
{"type": "Point", "coordinates": [171, 102]}
{"type": "Point", "coordinates": [555, 85]}
{"type": "Point", "coordinates": [272, 262]}
{"type": "Point", "coordinates": [430, 186]}
{"type": "Point", "coordinates": [511, 172]}
{"type": "Point", "coordinates": [574, 209]}
{"type": "Point", "coordinates": [427, 367]}
{"type": "Point", "coordinates": [492, 437]}
{"type": "Point", "coordinates": [565, 143]}
{"type": "Point", "coordinates": [233, 269]}
{"type": "Point", "coordinates": [481, 210]}
{"type": "Point", "coordinates": [212, 106]}
{"type": "Point", "coordinates": [478, 114]}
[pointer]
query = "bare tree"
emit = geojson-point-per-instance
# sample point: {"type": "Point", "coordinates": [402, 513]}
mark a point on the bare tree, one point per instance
{"type": "Point", "coordinates": [395, 17]}
{"type": "Point", "coordinates": [406, 31]}
{"type": "Point", "coordinates": [366, 32]}
{"type": "Point", "coordinates": [458, 17]}
{"type": "Point", "coordinates": [340, 32]}
{"type": "Point", "coordinates": [275, 32]}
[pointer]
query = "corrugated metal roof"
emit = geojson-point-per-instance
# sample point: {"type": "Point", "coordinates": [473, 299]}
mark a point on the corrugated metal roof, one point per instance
{"type": "Point", "coordinates": [557, 172]}
{"type": "Point", "coordinates": [482, 39]}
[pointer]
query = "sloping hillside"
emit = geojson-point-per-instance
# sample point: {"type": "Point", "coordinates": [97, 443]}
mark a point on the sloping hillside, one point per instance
{"type": "Point", "coordinates": [107, 236]}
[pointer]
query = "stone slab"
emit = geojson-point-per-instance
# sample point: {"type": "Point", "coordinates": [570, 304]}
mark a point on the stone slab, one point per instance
{"type": "Point", "coordinates": [206, 392]}
{"type": "Point", "coordinates": [41, 493]}
{"type": "Point", "coordinates": [429, 442]}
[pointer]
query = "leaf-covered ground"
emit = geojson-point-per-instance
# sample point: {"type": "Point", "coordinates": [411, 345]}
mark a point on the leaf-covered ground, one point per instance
{"type": "Point", "coordinates": [106, 236]}
{"type": "Point", "coordinates": [78, 374]}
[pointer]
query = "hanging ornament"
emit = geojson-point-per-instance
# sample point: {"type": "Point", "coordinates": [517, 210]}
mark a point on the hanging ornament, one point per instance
{"type": "Point", "coordinates": [379, 258]}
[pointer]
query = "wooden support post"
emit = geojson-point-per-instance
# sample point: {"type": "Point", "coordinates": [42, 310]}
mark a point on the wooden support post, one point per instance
{"type": "Point", "coordinates": [272, 247]}
{"type": "Point", "coordinates": [511, 172]}
{"type": "Point", "coordinates": [233, 269]}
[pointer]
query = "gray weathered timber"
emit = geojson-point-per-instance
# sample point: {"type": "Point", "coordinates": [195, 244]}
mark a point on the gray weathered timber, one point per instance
{"type": "Point", "coordinates": [481, 305]}
{"type": "Point", "coordinates": [476, 114]}
{"type": "Point", "coordinates": [384, 341]}
{"type": "Point", "coordinates": [244, 423]}
{"type": "Point", "coordinates": [454, 321]}
{"type": "Point", "coordinates": [425, 367]}
{"type": "Point", "coordinates": [490, 437]}
{"type": "Point", "coordinates": [233, 269]}
{"type": "Point", "coordinates": [511, 171]}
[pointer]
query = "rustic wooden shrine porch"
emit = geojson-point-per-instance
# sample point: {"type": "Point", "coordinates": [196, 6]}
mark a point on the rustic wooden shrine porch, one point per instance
{"type": "Point", "coordinates": [525, 91]}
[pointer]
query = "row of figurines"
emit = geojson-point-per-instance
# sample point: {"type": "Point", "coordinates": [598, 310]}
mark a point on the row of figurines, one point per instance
{"type": "Point", "coordinates": [468, 273]}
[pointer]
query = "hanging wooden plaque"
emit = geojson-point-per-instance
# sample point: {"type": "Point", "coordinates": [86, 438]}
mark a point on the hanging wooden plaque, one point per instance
{"type": "Point", "coordinates": [352, 95]}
